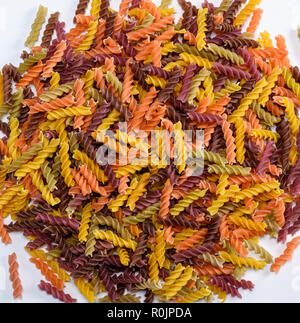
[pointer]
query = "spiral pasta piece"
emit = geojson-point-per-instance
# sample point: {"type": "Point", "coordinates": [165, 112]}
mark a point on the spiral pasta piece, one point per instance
{"type": "Point", "coordinates": [246, 223]}
{"type": "Point", "coordinates": [56, 58]}
{"type": "Point", "coordinates": [225, 53]}
{"type": "Point", "coordinates": [202, 62]}
{"type": "Point", "coordinates": [290, 111]}
{"type": "Point", "coordinates": [138, 191]}
{"type": "Point", "coordinates": [95, 8]}
{"type": "Point", "coordinates": [179, 283]}
{"type": "Point", "coordinates": [51, 290]}
{"type": "Point", "coordinates": [222, 199]}
{"type": "Point", "coordinates": [143, 215]}
{"type": "Point", "coordinates": [14, 275]}
{"type": "Point", "coordinates": [37, 181]}
{"type": "Point", "coordinates": [230, 142]}
{"type": "Point", "coordinates": [121, 199]}
{"type": "Point", "coordinates": [265, 134]}
{"type": "Point", "coordinates": [246, 12]}
{"type": "Point", "coordinates": [89, 37]}
{"type": "Point", "coordinates": [68, 112]}
{"type": "Point", "coordinates": [272, 79]}
{"type": "Point", "coordinates": [49, 148]}
{"type": "Point", "coordinates": [264, 254]}
{"type": "Point", "coordinates": [165, 199]}
{"type": "Point", "coordinates": [31, 60]}
{"type": "Point", "coordinates": [291, 82]}
{"type": "Point", "coordinates": [57, 92]}
{"type": "Point", "coordinates": [202, 28]}
{"type": "Point", "coordinates": [84, 159]}
{"type": "Point", "coordinates": [286, 256]}
{"type": "Point", "coordinates": [14, 135]}
{"type": "Point", "coordinates": [196, 296]}
{"type": "Point", "coordinates": [49, 275]}
{"type": "Point", "coordinates": [5, 237]}
{"type": "Point", "coordinates": [160, 248]}
{"type": "Point", "coordinates": [239, 140]}
{"type": "Point", "coordinates": [145, 32]}
{"type": "Point", "coordinates": [36, 27]}
{"type": "Point", "coordinates": [239, 261]}
{"type": "Point", "coordinates": [55, 79]}
{"type": "Point", "coordinates": [124, 257]}
{"type": "Point", "coordinates": [256, 190]}
{"type": "Point", "coordinates": [248, 100]}
{"type": "Point", "coordinates": [186, 201]}
{"type": "Point", "coordinates": [107, 122]}
{"type": "Point", "coordinates": [116, 240]}
{"type": "Point", "coordinates": [256, 17]}
{"type": "Point", "coordinates": [85, 289]}
{"type": "Point", "coordinates": [49, 176]}
{"type": "Point", "coordinates": [223, 183]}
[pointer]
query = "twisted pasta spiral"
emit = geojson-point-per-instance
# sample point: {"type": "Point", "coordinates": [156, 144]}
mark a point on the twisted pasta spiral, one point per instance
{"type": "Point", "coordinates": [291, 115]}
{"type": "Point", "coordinates": [14, 275]}
{"type": "Point", "coordinates": [246, 223]}
{"type": "Point", "coordinates": [31, 60]}
{"type": "Point", "coordinates": [265, 134]}
{"type": "Point", "coordinates": [57, 92]}
{"type": "Point", "coordinates": [68, 112]}
{"type": "Point", "coordinates": [37, 181]}
{"type": "Point", "coordinates": [124, 257]}
{"type": "Point", "coordinates": [225, 53]}
{"type": "Point", "coordinates": [116, 240]}
{"type": "Point", "coordinates": [264, 254]}
{"type": "Point", "coordinates": [85, 289]}
{"type": "Point", "coordinates": [196, 296]}
{"type": "Point", "coordinates": [179, 283]}
{"type": "Point", "coordinates": [160, 248]}
{"type": "Point", "coordinates": [49, 176]}
{"type": "Point", "coordinates": [272, 79]}
{"type": "Point", "coordinates": [54, 82]}
{"type": "Point", "coordinates": [48, 150]}
{"type": "Point", "coordinates": [115, 224]}
{"type": "Point", "coordinates": [230, 170]}
{"type": "Point", "coordinates": [153, 268]}
{"type": "Point", "coordinates": [248, 100]}
{"type": "Point", "coordinates": [222, 199]}
{"type": "Point", "coordinates": [49, 275]}
{"type": "Point", "coordinates": [196, 82]}
{"type": "Point", "coordinates": [239, 140]}
{"type": "Point", "coordinates": [14, 135]}
{"type": "Point", "coordinates": [202, 62]}
{"type": "Point", "coordinates": [202, 28]}
{"type": "Point", "coordinates": [291, 82]}
{"type": "Point", "coordinates": [245, 12]}
{"type": "Point", "coordinates": [85, 220]}
{"type": "Point", "coordinates": [84, 159]}
{"type": "Point", "coordinates": [287, 255]}
{"type": "Point", "coordinates": [36, 27]}
{"type": "Point", "coordinates": [89, 38]}
{"type": "Point", "coordinates": [241, 262]}
{"type": "Point", "coordinates": [186, 201]}
{"type": "Point", "coordinates": [143, 215]}
{"type": "Point", "coordinates": [256, 190]}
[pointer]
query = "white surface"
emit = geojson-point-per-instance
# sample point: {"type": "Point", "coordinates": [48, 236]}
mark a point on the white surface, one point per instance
{"type": "Point", "coordinates": [16, 17]}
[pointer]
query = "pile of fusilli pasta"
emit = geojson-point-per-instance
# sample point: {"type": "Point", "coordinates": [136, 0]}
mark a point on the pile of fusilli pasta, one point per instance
{"type": "Point", "coordinates": [122, 227]}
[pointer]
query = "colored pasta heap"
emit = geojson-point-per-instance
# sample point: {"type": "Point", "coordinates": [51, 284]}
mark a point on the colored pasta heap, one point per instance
{"type": "Point", "coordinates": [125, 227]}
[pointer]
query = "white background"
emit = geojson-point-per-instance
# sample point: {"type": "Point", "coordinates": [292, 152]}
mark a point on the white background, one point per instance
{"type": "Point", "coordinates": [16, 17]}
